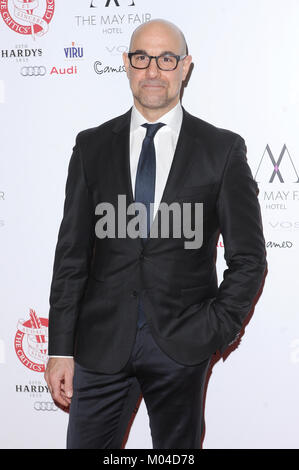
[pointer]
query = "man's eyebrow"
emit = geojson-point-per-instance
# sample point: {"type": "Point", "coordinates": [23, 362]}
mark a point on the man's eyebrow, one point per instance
{"type": "Point", "coordinates": [141, 51]}
{"type": "Point", "coordinates": [168, 52]}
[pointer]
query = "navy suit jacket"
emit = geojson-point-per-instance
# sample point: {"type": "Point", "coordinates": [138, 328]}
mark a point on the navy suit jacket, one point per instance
{"type": "Point", "coordinates": [97, 282]}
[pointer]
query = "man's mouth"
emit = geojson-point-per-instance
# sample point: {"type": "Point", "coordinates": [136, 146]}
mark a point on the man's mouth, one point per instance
{"type": "Point", "coordinates": [153, 85]}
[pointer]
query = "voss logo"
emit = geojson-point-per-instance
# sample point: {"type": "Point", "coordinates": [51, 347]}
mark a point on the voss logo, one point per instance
{"type": "Point", "coordinates": [33, 71]}
{"type": "Point", "coordinates": [272, 170]}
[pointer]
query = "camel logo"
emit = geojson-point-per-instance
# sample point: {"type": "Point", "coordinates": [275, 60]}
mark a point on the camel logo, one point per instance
{"type": "Point", "coordinates": [31, 17]}
{"type": "Point", "coordinates": [282, 169]}
{"type": "Point", "coordinates": [31, 342]}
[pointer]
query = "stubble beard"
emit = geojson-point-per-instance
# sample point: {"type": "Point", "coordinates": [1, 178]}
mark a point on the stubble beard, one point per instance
{"type": "Point", "coordinates": [155, 102]}
{"type": "Point", "coordinates": [158, 101]}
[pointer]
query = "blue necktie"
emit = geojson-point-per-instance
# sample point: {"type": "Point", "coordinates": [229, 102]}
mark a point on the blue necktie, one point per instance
{"type": "Point", "coordinates": [145, 185]}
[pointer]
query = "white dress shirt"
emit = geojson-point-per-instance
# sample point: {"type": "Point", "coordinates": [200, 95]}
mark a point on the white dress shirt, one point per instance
{"type": "Point", "coordinates": [165, 142]}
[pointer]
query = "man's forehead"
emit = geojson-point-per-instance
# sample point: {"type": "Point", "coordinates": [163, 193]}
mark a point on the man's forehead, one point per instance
{"type": "Point", "coordinates": [157, 35]}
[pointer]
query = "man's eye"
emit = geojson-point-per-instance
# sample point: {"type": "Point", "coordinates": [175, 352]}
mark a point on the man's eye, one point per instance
{"type": "Point", "coordinates": [140, 58]}
{"type": "Point", "coordinates": [168, 59]}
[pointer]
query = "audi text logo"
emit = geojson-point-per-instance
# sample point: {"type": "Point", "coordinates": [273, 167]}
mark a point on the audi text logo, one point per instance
{"type": "Point", "coordinates": [33, 71]}
{"type": "Point", "coordinates": [45, 406]}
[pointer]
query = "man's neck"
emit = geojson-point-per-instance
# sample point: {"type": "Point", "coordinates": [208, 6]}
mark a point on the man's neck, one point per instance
{"type": "Point", "coordinates": [153, 115]}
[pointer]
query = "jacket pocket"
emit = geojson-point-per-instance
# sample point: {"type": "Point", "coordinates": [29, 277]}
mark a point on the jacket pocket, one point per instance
{"type": "Point", "coordinates": [193, 295]}
{"type": "Point", "coordinates": [201, 191]}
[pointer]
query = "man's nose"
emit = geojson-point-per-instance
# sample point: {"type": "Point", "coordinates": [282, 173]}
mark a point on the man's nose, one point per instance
{"type": "Point", "coordinates": [153, 69]}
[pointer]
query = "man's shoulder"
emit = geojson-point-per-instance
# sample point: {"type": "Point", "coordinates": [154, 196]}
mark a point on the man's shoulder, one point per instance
{"type": "Point", "coordinates": [105, 129]}
{"type": "Point", "coordinates": [207, 131]}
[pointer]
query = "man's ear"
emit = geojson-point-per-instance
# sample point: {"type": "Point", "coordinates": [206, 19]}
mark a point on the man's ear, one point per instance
{"type": "Point", "coordinates": [186, 65]}
{"type": "Point", "coordinates": [126, 62]}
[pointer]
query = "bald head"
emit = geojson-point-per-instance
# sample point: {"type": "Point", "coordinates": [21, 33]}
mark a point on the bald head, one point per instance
{"type": "Point", "coordinates": [156, 89]}
{"type": "Point", "coordinates": [155, 27]}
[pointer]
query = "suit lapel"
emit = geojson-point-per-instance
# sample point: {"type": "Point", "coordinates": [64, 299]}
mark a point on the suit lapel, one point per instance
{"type": "Point", "coordinates": [181, 162]}
{"type": "Point", "coordinates": [121, 151]}
{"type": "Point", "coordinates": [122, 168]}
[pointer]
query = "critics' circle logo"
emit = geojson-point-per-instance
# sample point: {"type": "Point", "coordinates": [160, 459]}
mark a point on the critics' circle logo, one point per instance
{"type": "Point", "coordinates": [30, 17]}
{"type": "Point", "coordinates": [31, 342]}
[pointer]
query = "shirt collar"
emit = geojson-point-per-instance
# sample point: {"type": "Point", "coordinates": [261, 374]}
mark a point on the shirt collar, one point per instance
{"type": "Point", "coordinates": [172, 118]}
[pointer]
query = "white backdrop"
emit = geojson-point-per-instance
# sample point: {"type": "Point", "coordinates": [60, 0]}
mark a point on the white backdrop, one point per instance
{"type": "Point", "coordinates": [245, 78]}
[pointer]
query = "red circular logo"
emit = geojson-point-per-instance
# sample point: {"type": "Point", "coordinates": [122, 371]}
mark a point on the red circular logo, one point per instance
{"type": "Point", "coordinates": [31, 342]}
{"type": "Point", "coordinates": [28, 16]}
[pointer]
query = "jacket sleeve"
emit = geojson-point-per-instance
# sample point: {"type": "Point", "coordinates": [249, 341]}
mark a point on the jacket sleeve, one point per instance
{"type": "Point", "coordinates": [72, 258]}
{"type": "Point", "coordinates": [245, 254]}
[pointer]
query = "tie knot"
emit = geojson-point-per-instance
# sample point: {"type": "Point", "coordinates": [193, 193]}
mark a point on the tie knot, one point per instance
{"type": "Point", "coordinates": [152, 129]}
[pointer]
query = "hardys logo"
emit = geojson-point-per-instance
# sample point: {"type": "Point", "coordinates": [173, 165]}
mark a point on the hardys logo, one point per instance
{"type": "Point", "coordinates": [281, 170]}
{"type": "Point", "coordinates": [30, 17]}
{"type": "Point", "coordinates": [20, 53]}
{"type": "Point", "coordinates": [31, 342]}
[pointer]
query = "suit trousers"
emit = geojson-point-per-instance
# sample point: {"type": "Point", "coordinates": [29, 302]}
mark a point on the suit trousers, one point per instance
{"type": "Point", "coordinates": [104, 405]}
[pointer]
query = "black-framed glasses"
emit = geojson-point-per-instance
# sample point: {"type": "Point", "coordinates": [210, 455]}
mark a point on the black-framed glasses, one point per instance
{"type": "Point", "coordinates": [166, 62]}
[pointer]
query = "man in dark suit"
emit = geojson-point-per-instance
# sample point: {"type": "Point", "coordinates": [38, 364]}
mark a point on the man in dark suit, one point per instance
{"type": "Point", "coordinates": [144, 315]}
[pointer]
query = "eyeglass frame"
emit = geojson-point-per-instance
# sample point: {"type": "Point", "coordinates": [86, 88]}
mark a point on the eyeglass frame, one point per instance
{"type": "Point", "coordinates": [156, 57]}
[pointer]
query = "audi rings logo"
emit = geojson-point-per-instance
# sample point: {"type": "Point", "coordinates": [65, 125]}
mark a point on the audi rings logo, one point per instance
{"type": "Point", "coordinates": [33, 71]}
{"type": "Point", "coordinates": [45, 406]}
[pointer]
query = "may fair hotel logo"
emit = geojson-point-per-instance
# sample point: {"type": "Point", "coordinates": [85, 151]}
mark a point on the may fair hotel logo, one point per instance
{"type": "Point", "coordinates": [27, 17]}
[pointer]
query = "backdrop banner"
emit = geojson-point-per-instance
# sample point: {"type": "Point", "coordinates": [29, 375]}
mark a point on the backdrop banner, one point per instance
{"type": "Point", "coordinates": [61, 71]}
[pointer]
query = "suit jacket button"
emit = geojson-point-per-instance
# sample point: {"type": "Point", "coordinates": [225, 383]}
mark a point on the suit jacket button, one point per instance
{"type": "Point", "coordinates": [134, 293]}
